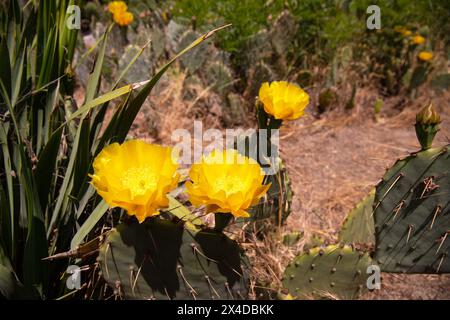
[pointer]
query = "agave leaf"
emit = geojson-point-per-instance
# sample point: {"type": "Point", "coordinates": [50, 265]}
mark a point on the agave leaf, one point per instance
{"type": "Point", "coordinates": [46, 166]}
{"type": "Point", "coordinates": [5, 65]}
{"type": "Point", "coordinates": [89, 224]}
{"type": "Point", "coordinates": [94, 77]}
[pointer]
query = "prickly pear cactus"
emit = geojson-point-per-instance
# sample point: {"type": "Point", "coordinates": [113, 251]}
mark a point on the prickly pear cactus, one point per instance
{"type": "Point", "coordinates": [140, 69]}
{"type": "Point", "coordinates": [292, 238]}
{"type": "Point", "coordinates": [358, 227]}
{"type": "Point", "coordinates": [235, 112]}
{"type": "Point", "coordinates": [304, 78]}
{"type": "Point", "coordinates": [258, 48]}
{"type": "Point", "coordinates": [258, 74]}
{"type": "Point", "coordinates": [412, 214]}
{"type": "Point", "coordinates": [194, 59]}
{"type": "Point", "coordinates": [158, 43]}
{"type": "Point", "coordinates": [332, 271]}
{"type": "Point", "coordinates": [283, 32]}
{"type": "Point", "coordinates": [174, 32]}
{"type": "Point", "coordinates": [276, 204]}
{"type": "Point", "coordinates": [219, 75]}
{"type": "Point", "coordinates": [418, 77]}
{"type": "Point", "coordinates": [327, 100]}
{"type": "Point", "coordinates": [314, 241]}
{"type": "Point", "coordinates": [160, 259]}
{"type": "Point", "coordinates": [441, 82]}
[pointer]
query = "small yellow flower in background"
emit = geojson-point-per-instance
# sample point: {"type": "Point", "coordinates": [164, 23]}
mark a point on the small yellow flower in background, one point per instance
{"type": "Point", "coordinates": [135, 176]}
{"type": "Point", "coordinates": [226, 182]}
{"type": "Point", "coordinates": [283, 100]}
{"type": "Point", "coordinates": [117, 6]}
{"type": "Point", "coordinates": [418, 40]}
{"type": "Point", "coordinates": [403, 31]}
{"type": "Point", "coordinates": [425, 56]}
{"type": "Point", "coordinates": [123, 18]}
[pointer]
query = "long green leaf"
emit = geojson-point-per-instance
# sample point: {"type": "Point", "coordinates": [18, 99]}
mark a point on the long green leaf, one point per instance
{"type": "Point", "coordinates": [46, 166]}
{"type": "Point", "coordinates": [83, 162]}
{"type": "Point", "coordinates": [5, 66]}
{"type": "Point", "coordinates": [8, 218]}
{"type": "Point", "coordinates": [102, 99]}
{"type": "Point", "coordinates": [6, 224]}
{"type": "Point", "coordinates": [17, 78]}
{"type": "Point", "coordinates": [89, 224]}
{"type": "Point", "coordinates": [94, 77]}
{"type": "Point", "coordinates": [35, 271]}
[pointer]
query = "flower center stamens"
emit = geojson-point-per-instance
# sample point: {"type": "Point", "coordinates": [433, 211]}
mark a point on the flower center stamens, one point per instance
{"type": "Point", "coordinates": [229, 184]}
{"type": "Point", "coordinates": [139, 180]}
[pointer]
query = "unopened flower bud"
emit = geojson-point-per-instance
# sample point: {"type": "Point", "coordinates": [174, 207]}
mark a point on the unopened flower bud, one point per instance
{"type": "Point", "coordinates": [428, 115]}
{"type": "Point", "coordinates": [427, 125]}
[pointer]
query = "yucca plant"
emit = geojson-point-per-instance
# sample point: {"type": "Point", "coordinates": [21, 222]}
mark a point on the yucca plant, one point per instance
{"type": "Point", "coordinates": [48, 144]}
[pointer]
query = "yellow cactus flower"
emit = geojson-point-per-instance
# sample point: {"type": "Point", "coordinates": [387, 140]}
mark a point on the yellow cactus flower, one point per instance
{"type": "Point", "coordinates": [135, 176]}
{"type": "Point", "coordinates": [117, 6]}
{"type": "Point", "coordinates": [407, 33]}
{"type": "Point", "coordinates": [226, 182]}
{"type": "Point", "coordinates": [425, 56]}
{"type": "Point", "coordinates": [283, 100]}
{"type": "Point", "coordinates": [403, 31]}
{"type": "Point", "coordinates": [123, 18]}
{"type": "Point", "coordinates": [418, 40]}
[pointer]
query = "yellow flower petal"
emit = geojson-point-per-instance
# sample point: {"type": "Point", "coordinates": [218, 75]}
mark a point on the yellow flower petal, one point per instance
{"type": "Point", "coordinates": [418, 40]}
{"type": "Point", "coordinates": [135, 176]}
{"type": "Point", "coordinates": [425, 56]}
{"type": "Point", "coordinates": [226, 182]}
{"type": "Point", "coordinates": [123, 18]}
{"type": "Point", "coordinates": [283, 100]}
{"type": "Point", "coordinates": [117, 6]}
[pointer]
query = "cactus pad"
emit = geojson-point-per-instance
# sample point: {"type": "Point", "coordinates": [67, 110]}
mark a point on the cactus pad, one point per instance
{"type": "Point", "coordinates": [441, 82]}
{"type": "Point", "coordinates": [358, 227]}
{"type": "Point", "coordinates": [327, 100]}
{"type": "Point", "coordinates": [219, 75]}
{"type": "Point", "coordinates": [283, 32]}
{"type": "Point", "coordinates": [412, 214]}
{"type": "Point", "coordinates": [159, 259]}
{"type": "Point", "coordinates": [193, 60]}
{"type": "Point", "coordinates": [334, 271]}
